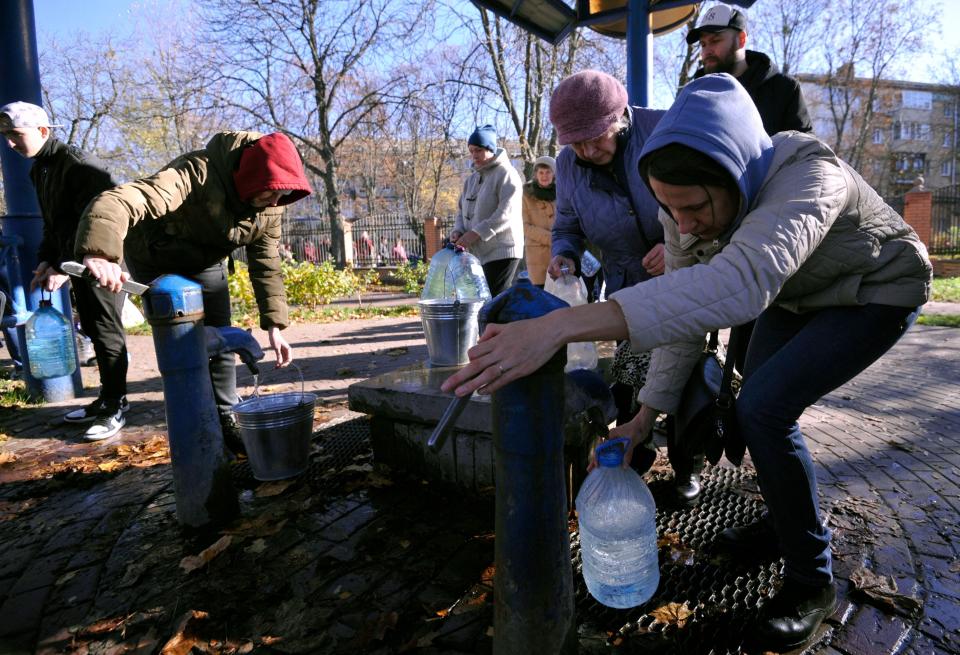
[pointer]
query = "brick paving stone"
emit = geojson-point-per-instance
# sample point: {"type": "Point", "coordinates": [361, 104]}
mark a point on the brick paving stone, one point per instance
{"type": "Point", "coordinates": [891, 437]}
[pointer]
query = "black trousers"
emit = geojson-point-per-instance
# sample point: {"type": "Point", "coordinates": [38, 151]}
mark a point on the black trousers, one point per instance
{"type": "Point", "coordinates": [500, 274]}
{"type": "Point", "coordinates": [216, 313]}
{"type": "Point", "coordinates": [100, 313]}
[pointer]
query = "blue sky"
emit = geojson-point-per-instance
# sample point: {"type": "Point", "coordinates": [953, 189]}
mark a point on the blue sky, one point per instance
{"type": "Point", "coordinates": [60, 18]}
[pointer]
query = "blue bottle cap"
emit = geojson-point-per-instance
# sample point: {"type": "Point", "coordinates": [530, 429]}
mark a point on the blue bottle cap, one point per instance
{"type": "Point", "coordinates": [610, 452]}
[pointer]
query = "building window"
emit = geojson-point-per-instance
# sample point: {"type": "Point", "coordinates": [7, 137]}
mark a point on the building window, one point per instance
{"type": "Point", "coordinates": [917, 99]}
{"type": "Point", "coordinates": [897, 131]}
{"type": "Point", "coordinates": [948, 108]}
{"type": "Point", "coordinates": [947, 139]}
{"type": "Point", "coordinates": [946, 168]}
{"type": "Point", "coordinates": [877, 167]}
{"type": "Point", "coordinates": [877, 135]}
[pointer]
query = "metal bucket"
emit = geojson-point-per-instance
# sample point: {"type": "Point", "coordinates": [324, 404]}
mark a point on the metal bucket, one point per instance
{"type": "Point", "coordinates": [450, 327]}
{"type": "Point", "coordinates": [276, 430]}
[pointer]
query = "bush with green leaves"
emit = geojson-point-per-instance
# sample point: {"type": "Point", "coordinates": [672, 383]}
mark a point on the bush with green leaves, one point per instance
{"type": "Point", "coordinates": [306, 285]}
{"type": "Point", "coordinates": [413, 277]}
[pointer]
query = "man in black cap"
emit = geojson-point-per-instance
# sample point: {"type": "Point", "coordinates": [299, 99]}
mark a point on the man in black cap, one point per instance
{"type": "Point", "coordinates": [65, 180]}
{"type": "Point", "coordinates": [722, 34]}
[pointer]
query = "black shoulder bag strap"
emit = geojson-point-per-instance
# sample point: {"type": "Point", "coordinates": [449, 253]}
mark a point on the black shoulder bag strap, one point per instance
{"type": "Point", "coordinates": [727, 430]}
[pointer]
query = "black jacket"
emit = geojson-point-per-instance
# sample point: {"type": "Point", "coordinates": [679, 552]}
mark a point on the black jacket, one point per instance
{"type": "Point", "coordinates": [777, 96]}
{"type": "Point", "coordinates": [66, 180]}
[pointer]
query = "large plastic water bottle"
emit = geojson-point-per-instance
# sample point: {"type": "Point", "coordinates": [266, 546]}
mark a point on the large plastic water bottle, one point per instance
{"type": "Point", "coordinates": [618, 531]}
{"type": "Point", "coordinates": [50, 345]}
{"type": "Point", "coordinates": [455, 274]}
{"type": "Point", "coordinates": [570, 288]}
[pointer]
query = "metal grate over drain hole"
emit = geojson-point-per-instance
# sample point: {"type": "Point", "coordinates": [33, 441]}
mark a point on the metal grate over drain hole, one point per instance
{"type": "Point", "coordinates": [722, 594]}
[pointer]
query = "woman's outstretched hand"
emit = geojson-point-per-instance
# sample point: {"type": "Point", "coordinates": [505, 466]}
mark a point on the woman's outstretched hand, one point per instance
{"type": "Point", "coordinates": [503, 354]}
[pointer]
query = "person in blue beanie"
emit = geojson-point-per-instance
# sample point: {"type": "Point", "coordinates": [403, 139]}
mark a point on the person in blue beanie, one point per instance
{"type": "Point", "coordinates": [489, 220]}
{"type": "Point", "coordinates": [777, 229]}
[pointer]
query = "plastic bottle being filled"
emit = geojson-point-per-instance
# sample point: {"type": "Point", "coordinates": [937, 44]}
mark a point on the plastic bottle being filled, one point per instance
{"type": "Point", "coordinates": [50, 344]}
{"type": "Point", "coordinates": [618, 531]}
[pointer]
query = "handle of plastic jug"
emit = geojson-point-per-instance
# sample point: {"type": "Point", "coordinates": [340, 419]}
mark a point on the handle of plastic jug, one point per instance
{"type": "Point", "coordinates": [621, 443]}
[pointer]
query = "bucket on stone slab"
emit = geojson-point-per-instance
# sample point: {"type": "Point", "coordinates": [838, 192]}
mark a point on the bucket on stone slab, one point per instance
{"type": "Point", "coordinates": [451, 329]}
{"type": "Point", "coordinates": [276, 430]}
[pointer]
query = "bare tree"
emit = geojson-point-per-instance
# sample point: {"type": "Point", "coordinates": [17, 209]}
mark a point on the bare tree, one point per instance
{"type": "Point", "coordinates": [311, 69]}
{"type": "Point", "coordinates": [865, 41]}
{"type": "Point", "coordinates": [788, 31]}
{"type": "Point", "coordinates": [526, 95]}
{"type": "Point", "coordinates": [85, 81]}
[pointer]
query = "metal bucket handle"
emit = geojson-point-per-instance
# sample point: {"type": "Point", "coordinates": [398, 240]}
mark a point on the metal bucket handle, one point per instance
{"type": "Point", "coordinates": [256, 385]}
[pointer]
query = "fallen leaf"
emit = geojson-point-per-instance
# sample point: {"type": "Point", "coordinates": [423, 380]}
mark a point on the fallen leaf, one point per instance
{"type": "Point", "coordinates": [269, 489]}
{"type": "Point", "coordinates": [185, 637]}
{"type": "Point", "coordinates": [404, 543]}
{"type": "Point", "coordinates": [109, 466]}
{"type": "Point", "coordinates": [955, 566]}
{"type": "Point", "coordinates": [257, 547]}
{"type": "Point", "coordinates": [673, 614]}
{"type": "Point", "coordinates": [261, 526]}
{"type": "Point", "coordinates": [360, 468]}
{"type": "Point", "coordinates": [882, 592]}
{"type": "Point", "coordinates": [191, 563]}
{"type": "Point", "coordinates": [7, 458]}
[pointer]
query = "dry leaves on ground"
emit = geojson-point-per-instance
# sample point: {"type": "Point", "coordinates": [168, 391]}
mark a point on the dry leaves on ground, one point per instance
{"type": "Point", "coordinates": [882, 592]}
{"type": "Point", "coordinates": [673, 614]}
{"type": "Point", "coordinates": [7, 458]}
{"type": "Point", "coordinates": [186, 635]}
{"type": "Point", "coordinates": [672, 549]}
{"type": "Point", "coordinates": [191, 563]}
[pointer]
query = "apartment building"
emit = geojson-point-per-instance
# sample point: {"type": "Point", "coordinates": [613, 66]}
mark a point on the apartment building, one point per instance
{"type": "Point", "coordinates": [891, 131]}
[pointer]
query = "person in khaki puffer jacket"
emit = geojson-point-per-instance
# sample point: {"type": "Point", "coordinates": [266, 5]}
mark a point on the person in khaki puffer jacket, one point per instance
{"type": "Point", "coordinates": [539, 203]}
{"type": "Point", "coordinates": [188, 218]}
{"type": "Point", "coordinates": [780, 230]}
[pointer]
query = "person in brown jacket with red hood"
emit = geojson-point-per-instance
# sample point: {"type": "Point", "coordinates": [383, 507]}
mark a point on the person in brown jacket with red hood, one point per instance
{"type": "Point", "coordinates": [188, 218]}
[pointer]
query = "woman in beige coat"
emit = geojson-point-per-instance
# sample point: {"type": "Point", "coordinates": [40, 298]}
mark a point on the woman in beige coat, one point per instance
{"type": "Point", "coordinates": [539, 201]}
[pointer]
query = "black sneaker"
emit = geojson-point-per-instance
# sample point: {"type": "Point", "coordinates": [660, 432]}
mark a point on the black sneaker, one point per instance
{"type": "Point", "coordinates": [755, 540]}
{"type": "Point", "coordinates": [792, 616]}
{"type": "Point", "coordinates": [90, 413]}
{"type": "Point", "coordinates": [107, 424]}
{"type": "Point", "coordinates": [231, 434]}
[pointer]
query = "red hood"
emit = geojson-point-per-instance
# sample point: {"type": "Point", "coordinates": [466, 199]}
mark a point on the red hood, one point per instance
{"type": "Point", "coordinates": [271, 163]}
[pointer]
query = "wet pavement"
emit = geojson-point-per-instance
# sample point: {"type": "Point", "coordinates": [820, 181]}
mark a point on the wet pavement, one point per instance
{"type": "Point", "coordinates": [355, 558]}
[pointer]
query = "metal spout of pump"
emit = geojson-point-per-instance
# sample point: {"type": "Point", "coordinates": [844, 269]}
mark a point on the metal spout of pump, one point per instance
{"type": "Point", "coordinates": [234, 340]}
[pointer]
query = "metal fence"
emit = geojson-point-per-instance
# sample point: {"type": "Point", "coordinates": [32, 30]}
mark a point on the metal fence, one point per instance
{"type": "Point", "coordinates": [945, 221]}
{"type": "Point", "coordinates": [378, 240]}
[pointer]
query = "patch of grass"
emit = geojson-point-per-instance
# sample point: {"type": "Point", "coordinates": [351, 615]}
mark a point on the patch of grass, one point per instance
{"type": "Point", "coordinates": [946, 289]}
{"type": "Point", "coordinates": [332, 314]}
{"type": "Point", "coordinates": [142, 330]}
{"type": "Point", "coordinates": [13, 393]}
{"type": "Point", "coordinates": [941, 320]}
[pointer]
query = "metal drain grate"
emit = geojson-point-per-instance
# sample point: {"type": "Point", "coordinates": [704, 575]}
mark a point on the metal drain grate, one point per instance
{"type": "Point", "coordinates": [722, 594]}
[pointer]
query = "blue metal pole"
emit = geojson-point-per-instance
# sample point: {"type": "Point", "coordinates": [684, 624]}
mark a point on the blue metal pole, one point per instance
{"type": "Point", "coordinates": [533, 586]}
{"type": "Point", "coordinates": [639, 53]}
{"type": "Point", "coordinates": [20, 80]}
{"type": "Point", "coordinates": [201, 477]}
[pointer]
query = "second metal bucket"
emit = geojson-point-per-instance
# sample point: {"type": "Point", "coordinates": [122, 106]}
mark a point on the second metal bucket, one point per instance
{"type": "Point", "coordinates": [450, 327]}
{"type": "Point", "coordinates": [276, 430]}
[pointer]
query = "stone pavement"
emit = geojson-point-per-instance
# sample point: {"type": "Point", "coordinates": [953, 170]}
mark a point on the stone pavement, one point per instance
{"type": "Point", "coordinates": [361, 560]}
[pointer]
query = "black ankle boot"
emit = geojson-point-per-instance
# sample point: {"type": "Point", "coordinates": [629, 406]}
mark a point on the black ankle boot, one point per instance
{"type": "Point", "coordinates": [790, 618]}
{"type": "Point", "coordinates": [687, 488]}
{"type": "Point", "coordinates": [755, 540]}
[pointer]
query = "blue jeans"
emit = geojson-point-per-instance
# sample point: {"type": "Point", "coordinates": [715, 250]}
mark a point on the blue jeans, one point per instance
{"type": "Point", "coordinates": [792, 361]}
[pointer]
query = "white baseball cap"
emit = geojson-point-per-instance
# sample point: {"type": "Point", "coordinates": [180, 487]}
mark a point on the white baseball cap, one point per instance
{"type": "Point", "coordinates": [716, 19]}
{"type": "Point", "coordinates": [23, 114]}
